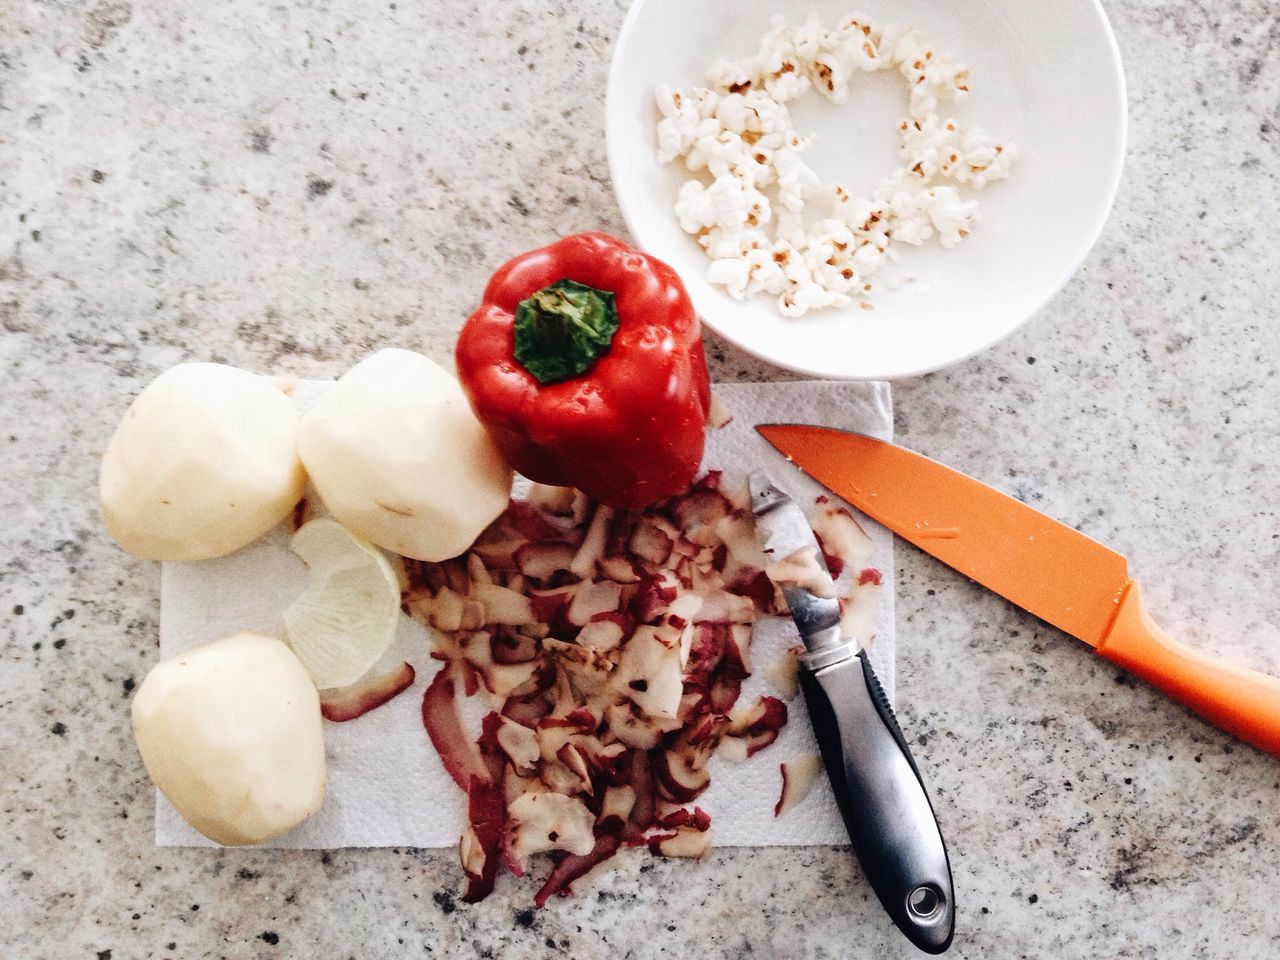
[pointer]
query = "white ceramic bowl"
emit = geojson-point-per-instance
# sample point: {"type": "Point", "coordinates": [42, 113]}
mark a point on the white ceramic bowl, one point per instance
{"type": "Point", "coordinates": [1044, 74]}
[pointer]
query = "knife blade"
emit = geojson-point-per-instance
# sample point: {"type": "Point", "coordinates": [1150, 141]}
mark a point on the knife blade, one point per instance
{"type": "Point", "coordinates": [877, 786]}
{"type": "Point", "coordinates": [1049, 569]}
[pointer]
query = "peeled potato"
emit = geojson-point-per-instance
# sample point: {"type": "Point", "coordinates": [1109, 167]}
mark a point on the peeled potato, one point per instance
{"type": "Point", "coordinates": [230, 733]}
{"type": "Point", "coordinates": [399, 458]}
{"type": "Point", "coordinates": [204, 462]}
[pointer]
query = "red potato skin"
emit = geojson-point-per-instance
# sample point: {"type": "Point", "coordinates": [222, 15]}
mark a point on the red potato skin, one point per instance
{"type": "Point", "coordinates": [764, 730]}
{"type": "Point", "coordinates": [782, 797]}
{"type": "Point", "coordinates": [528, 522]}
{"type": "Point", "coordinates": [697, 818]}
{"type": "Point", "coordinates": [759, 588]}
{"type": "Point", "coordinates": [459, 755]}
{"type": "Point", "coordinates": [487, 813]}
{"type": "Point", "coordinates": [507, 650]}
{"type": "Point", "coordinates": [571, 867]}
{"type": "Point", "coordinates": [671, 785]}
{"type": "Point", "coordinates": [772, 721]}
{"type": "Point", "coordinates": [358, 699]}
{"type": "Point", "coordinates": [487, 809]}
{"type": "Point", "coordinates": [835, 564]}
{"type": "Point", "coordinates": [630, 430]}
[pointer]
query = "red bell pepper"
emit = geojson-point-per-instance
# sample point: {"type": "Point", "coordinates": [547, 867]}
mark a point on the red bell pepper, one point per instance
{"type": "Point", "coordinates": [585, 364]}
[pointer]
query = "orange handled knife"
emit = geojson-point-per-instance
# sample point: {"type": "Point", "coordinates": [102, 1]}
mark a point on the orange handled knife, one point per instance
{"type": "Point", "coordinates": [1045, 567]}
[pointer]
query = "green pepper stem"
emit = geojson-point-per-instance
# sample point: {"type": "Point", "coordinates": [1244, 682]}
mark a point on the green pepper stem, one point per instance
{"type": "Point", "coordinates": [554, 308]}
{"type": "Point", "coordinates": [562, 329]}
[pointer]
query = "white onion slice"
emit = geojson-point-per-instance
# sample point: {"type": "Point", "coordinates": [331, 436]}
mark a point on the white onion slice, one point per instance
{"type": "Point", "coordinates": [346, 618]}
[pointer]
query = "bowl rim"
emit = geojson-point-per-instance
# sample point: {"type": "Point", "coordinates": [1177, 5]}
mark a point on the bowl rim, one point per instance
{"type": "Point", "coordinates": [1120, 134]}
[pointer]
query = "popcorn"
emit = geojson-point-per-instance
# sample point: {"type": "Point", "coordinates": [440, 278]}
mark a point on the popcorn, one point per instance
{"type": "Point", "coordinates": [732, 273]}
{"type": "Point", "coordinates": [722, 244]}
{"type": "Point", "coordinates": [729, 204]}
{"type": "Point", "coordinates": [831, 76]}
{"type": "Point", "coordinates": [728, 77]}
{"type": "Point", "coordinates": [796, 182]}
{"type": "Point", "coordinates": [791, 228]}
{"type": "Point", "coordinates": [768, 223]}
{"type": "Point", "coordinates": [951, 216]}
{"type": "Point", "coordinates": [694, 209]}
{"type": "Point", "coordinates": [679, 124]}
{"type": "Point", "coordinates": [732, 111]}
{"type": "Point", "coordinates": [933, 77]}
{"type": "Point", "coordinates": [809, 39]}
{"type": "Point", "coordinates": [945, 149]}
{"type": "Point", "coordinates": [772, 119]}
{"type": "Point", "coordinates": [787, 82]}
{"type": "Point", "coordinates": [856, 27]}
{"type": "Point", "coordinates": [767, 276]}
{"type": "Point", "coordinates": [983, 159]}
{"type": "Point", "coordinates": [808, 296]}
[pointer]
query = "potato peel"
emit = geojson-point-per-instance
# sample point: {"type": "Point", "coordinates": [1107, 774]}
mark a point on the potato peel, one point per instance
{"type": "Point", "coordinates": [798, 777]}
{"type": "Point", "coordinates": [612, 647]}
{"type": "Point", "coordinates": [349, 703]}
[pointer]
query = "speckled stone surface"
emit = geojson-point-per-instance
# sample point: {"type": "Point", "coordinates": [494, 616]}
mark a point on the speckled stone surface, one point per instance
{"type": "Point", "coordinates": [287, 186]}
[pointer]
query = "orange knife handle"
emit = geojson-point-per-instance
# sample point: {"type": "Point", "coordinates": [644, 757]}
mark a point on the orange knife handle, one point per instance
{"type": "Point", "coordinates": [1241, 701]}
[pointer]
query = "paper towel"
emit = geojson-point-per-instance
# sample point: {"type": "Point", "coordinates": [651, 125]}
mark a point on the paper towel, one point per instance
{"type": "Point", "coordinates": [386, 786]}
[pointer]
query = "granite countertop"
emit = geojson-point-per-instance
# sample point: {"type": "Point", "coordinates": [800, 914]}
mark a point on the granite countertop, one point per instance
{"type": "Point", "coordinates": [287, 186]}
